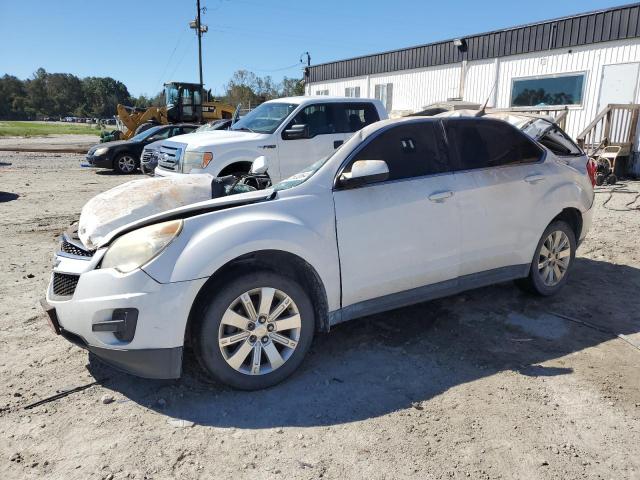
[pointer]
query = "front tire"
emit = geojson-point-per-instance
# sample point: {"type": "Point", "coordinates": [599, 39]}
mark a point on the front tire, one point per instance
{"type": "Point", "coordinates": [125, 163]}
{"type": "Point", "coordinates": [255, 331]}
{"type": "Point", "coordinates": [552, 261]}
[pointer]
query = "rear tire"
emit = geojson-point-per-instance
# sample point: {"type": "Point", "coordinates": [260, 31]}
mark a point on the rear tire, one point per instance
{"type": "Point", "coordinates": [248, 345]}
{"type": "Point", "coordinates": [552, 261]}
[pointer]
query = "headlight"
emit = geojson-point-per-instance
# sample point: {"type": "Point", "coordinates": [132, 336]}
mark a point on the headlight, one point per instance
{"type": "Point", "coordinates": [195, 159]}
{"type": "Point", "coordinates": [136, 248]}
{"type": "Point", "coordinates": [100, 151]}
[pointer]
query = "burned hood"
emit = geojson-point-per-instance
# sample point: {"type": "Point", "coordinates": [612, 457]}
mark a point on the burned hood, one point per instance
{"type": "Point", "coordinates": [150, 200]}
{"type": "Point", "coordinates": [192, 210]}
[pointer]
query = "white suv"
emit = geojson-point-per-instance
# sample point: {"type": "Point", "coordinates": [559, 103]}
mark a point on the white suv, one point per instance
{"type": "Point", "coordinates": [406, 211]}
{"type": "Point", "coordinates": [291, 133]}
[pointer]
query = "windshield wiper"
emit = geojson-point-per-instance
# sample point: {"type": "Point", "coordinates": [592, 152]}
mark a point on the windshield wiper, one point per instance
{"type": "Point", "coordinates": [243, 129]}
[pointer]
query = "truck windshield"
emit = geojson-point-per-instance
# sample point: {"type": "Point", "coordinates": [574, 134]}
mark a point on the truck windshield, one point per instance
{"type": "Point", "coordinates": [266, 118]}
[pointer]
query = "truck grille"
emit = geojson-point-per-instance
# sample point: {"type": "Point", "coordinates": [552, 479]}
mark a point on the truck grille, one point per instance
{"type": "Point", "coordinates": [146, 155]}
{"type": "Point", "coordinates": [64, 284]}
{"type": "Point", "coordinates": [169, 158]}
{"type": "Point", "coordinates": [69, 247]}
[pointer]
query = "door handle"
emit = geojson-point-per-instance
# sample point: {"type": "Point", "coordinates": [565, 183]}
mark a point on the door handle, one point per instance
{"type": "Point", "coordinates": [440, 196]}
{"type": "Point", "coordinates": [533, 179]}
{"type": "Point", "coordinates": [337, 143]}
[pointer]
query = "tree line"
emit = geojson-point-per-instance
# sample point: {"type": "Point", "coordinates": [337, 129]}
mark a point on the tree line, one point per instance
{"type": "Point", "coordinates": [63, 94]}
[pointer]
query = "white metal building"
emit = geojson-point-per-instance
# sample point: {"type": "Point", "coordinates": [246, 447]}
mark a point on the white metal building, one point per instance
{"type": "Point", "coordinates": [584, 62]}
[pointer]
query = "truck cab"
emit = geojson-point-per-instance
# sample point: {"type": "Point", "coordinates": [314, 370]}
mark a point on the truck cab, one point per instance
{"type": "Point", "coordinates": [290, 133]}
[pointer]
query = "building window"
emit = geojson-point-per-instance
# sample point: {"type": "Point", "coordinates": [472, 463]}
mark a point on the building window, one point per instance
{"type": "Point", "coordinates": [352, 92]}
{"type": "Point", "coordinates": [384, 93]}
{"type": "Point", "coordinates": [547, 91]}
{"type": "Point", "coordinates": [322, 92]}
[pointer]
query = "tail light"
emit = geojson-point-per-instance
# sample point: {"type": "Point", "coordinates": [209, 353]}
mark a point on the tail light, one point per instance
{"type": "Point", "coordinates": [591, 170]}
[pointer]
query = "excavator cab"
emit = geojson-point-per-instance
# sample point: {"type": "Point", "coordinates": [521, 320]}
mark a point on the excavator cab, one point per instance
{"type": "Point", "coordinates": [184, 102]}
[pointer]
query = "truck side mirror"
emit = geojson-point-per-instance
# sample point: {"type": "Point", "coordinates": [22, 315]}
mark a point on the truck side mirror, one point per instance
{"type": "Point", "coordinates": [259, 166]}
{"type": "Point", "coordinates": [296, 132]}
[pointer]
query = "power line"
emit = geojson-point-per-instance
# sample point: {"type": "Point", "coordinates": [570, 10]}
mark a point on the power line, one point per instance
{"type": "Point", "coordinates": [182, 58]}
{"type": "Point", "coordinates": [161, 81]}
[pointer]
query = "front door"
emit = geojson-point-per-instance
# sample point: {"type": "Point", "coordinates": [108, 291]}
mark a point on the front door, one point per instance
{"type": "Point", "coordinates": [402, 233]}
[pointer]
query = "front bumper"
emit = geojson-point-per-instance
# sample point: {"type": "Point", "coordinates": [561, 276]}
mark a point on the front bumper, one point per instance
{"type": "Point", "coordinates": [103, 161]}
{"type": "Point", "coordinates": [155, 348]}
{"type": "Point", "coordinates": [162, 172]}
{"type": "Point", "coordinates": [159, 363]}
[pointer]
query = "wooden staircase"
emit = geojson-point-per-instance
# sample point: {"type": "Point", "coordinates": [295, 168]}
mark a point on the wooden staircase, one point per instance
{"type": "Point", "coordinates": [615, 125]}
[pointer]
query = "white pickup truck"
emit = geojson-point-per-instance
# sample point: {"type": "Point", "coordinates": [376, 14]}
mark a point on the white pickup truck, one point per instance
{"type": "Point", "coordinates": [291, 133]}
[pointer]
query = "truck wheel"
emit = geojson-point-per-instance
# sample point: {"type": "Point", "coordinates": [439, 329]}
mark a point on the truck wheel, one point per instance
{"type": "Point", "coordinates": [552, 261]}
{"type": "Point", "coordinates": [125, 163]}
{"type": "Point", "coordinates": [255, 330]}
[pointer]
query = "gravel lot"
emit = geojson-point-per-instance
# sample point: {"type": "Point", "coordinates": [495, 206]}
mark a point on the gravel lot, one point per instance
{"type": "Point", "coordinates": [488, 384]}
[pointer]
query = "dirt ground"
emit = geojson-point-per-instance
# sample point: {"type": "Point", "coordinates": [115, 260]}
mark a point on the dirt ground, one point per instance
{"type": "Point", "coordinates": [61, 143]}
{"type": "Point", "coordinates": [488, 384]}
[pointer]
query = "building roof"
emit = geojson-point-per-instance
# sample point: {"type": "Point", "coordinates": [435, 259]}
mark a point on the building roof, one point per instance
{"type": "Point", "coordinates": [615, 23]}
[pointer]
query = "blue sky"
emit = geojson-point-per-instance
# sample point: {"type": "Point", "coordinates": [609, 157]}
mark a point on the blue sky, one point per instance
{"type": "Point", "coordinates": [144, 43]}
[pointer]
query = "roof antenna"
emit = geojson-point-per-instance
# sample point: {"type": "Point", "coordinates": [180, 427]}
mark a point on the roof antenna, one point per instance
{"type": "Point", "coordinates": [482, 112]}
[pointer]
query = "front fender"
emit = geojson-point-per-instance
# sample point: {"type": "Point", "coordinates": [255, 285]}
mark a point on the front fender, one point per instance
{"type": "Point", "coordinates": [210, 241]}
{"type": "Point", "coordinates": [235, 155]}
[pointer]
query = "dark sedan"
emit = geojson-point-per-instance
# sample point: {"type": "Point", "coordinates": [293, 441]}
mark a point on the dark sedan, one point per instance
{"type": "Point", "coordinates": [149, 159]}
{"type": "Point", "coordinates": [123, 156]}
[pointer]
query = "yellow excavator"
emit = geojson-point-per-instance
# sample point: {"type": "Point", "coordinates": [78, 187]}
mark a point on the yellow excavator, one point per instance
{"type": "Point", "coordinates": [184, 102]}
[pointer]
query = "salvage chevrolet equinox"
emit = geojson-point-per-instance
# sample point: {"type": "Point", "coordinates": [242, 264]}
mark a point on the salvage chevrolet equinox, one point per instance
{"type": "Point", "coordinates": [406, 211]}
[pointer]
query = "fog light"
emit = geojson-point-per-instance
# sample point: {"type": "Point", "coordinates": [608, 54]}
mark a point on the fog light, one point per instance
{"type": "Point", "coordinates": [122, 324]}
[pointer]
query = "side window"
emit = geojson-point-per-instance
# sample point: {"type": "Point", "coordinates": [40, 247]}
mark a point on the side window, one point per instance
{"type": "Point", "coordinates": [483, 143]}
{"type": "Point", "coordinates": [410, 150]}
{"type": "Point", "coordinates": [351, 117]}
{"type": "Point", "coordinates": [318, 117]}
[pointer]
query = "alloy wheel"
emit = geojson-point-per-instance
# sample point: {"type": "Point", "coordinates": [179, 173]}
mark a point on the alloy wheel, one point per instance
{"type": "Point", "coordinates": [259, 331]}
{"type": "Point", "coordinates": [126, 164]}
{"type": "Point", "coordinates": [554, 258]}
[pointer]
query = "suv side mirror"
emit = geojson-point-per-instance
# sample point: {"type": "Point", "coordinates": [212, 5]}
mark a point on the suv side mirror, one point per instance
{"type": "Point", "coordinates": [295, 132]}
{"type": "Point", "coordinates": [259, 166]}
{"type": "Point", "coordinates": [364, 172]}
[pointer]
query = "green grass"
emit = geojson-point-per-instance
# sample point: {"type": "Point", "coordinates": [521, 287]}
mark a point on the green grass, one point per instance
{"type": "Point", "coordinates": [33, 129]}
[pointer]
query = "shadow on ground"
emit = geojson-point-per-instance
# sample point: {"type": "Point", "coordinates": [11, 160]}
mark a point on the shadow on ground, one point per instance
{"type": "Point", "coordinates": [8, 196]}
{"type": "Point", "coordinates": [111, 173]}
{"type": "Point", "coordinates": [376, 365]}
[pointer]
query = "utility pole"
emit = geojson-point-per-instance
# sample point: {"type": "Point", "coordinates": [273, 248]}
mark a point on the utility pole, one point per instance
{"type": "Point", "coordinates": [200, 29]}
{"type": "Point", "coordinates": [199, 44]}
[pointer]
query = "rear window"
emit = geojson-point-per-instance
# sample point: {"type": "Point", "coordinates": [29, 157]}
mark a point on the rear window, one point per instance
{"type": "Point", "coordinates": [485, 143]}
{"type": "Point", "coordinates": [351, 117]}
{"type": "Point", "coordinates": [559, 143]}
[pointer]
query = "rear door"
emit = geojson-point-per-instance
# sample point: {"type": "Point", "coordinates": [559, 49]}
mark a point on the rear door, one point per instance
{"type": "Point", "coordinates": [402, 233]}
{"type": "Point", "coordinates": [502, 181]}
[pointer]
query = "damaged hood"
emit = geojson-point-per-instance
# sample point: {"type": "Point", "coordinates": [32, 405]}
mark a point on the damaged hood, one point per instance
{"type": "Point", "coordinates": [150, 200]}
{"type": "Point", "coordinates": [192, 210]}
